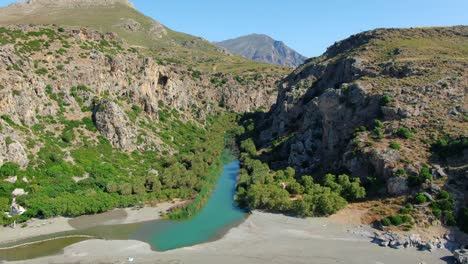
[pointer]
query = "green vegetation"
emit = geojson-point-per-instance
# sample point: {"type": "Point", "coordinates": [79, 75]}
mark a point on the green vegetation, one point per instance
{"type": "Point", "coordinates": [404, 132]}
{"type": "Point", "coordinates": [280, 191]}
{"type": "Point", "coordinates": [444, 207]}
{"type": "Point", "coordinates": [446, 148]}
{"type": "Point", "coordinates": [424, 176]}
{"type": "Point", "coordinates": [463, 224]}
{"type": "Point", "coordinates": [385, 100]}
{"type": "Point", "coordinates": [41, 71]}
{"type": "Point", "coordinates": [396, 220]}
{"type": "Point", "coordinates": [420, 198]}
{"type": "Point", "coordinates": [114, 178]}
{"type": "Point", "coordinates": [395, 145]}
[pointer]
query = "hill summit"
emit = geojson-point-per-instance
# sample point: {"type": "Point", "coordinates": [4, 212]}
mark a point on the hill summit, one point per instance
{"type": "Point", "coordinates": [70, 3]}
{"type": "Point", "coordinates": [263, 48]}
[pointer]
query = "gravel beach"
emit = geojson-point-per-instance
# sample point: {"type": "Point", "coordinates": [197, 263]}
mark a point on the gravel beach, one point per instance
{"type": "Point", "coordinates": [262, 238]}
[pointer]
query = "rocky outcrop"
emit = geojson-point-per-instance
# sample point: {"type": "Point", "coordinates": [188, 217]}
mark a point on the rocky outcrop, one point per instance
{"type": "Point", "coordinates": [396, 241]}
{"type": "Point", "coordinates": [328, 109]}
{"type": "Point", "coordinates": [461, 256]}
{"type": "Point", "coordinates": [100, 71]}
{"type": "Point", "coordinates": [12, 151]}
{"type": "Point", "coordinates": [113, 124]}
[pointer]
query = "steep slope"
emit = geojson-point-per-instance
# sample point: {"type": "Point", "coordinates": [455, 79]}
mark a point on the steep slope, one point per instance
{"type": "Point", "coordinates": [120, 17]}
{"type": "Point", "coordinates": [85, 118]}
{"type": "Point", "coordinates": [388, 106]}
{"type": "Point", "coordinates": [264, 49]}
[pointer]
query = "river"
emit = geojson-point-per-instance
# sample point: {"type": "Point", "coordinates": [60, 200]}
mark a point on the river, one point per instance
{"type": "Point", "coordinates": [218, 215]}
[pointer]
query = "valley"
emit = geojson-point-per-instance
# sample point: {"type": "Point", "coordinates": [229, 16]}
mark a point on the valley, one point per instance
{"type": "Point", "coordinates": [122, 140]}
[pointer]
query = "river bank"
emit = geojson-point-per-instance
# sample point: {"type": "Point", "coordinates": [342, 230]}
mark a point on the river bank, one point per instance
{"type": "Point", "coordinates": [262, 238]}
{"type": "Point", "coordinates": [41, 227]}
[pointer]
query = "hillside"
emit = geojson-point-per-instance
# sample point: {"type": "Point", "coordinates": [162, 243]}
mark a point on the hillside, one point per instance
{"type": "Point", "coordinates": [263, 48]}
{"type": "Point", "coordinates": [388, 108]}
{"type": "Point", "coordinates": [89, 123]}
{"type": "Point", "coordinates": [140, 31]}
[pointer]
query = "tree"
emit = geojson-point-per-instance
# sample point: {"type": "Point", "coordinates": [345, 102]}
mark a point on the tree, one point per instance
{"type": "Point", "coordinates": [294, 187]}
{"type": "Point", "coordinates": [112, 187]}
{"type": "Point", "coordinates": [329, 180]}
{"type": "Point", "coordinates": [138, 188]}
{"type": "Point", "coordinates": [352, 189]}
{"type": "Point", "coordinates": [328, 203]}
{"type": "Point", "coordinates": [308, 183]}
{"type": "Point", "coordinates": [248, 146]}
{"type": "Point", "coordinates": [301, 207]}
{"type": "Point", "coordinates": [125, 188]}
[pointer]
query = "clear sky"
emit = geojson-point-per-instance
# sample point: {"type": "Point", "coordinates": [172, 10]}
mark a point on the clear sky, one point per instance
{"type": "Point", "coordinates": [309, 26]}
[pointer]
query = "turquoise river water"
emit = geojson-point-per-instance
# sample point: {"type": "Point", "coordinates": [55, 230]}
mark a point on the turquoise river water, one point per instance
{"type": "Point", "coordinates": [219, 214]}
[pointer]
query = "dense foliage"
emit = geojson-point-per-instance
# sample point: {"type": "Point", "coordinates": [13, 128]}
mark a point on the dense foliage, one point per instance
{"type": "Point", "coordinates": [110, 178]}
{"type": "Point", "coordinates": [284, 192]}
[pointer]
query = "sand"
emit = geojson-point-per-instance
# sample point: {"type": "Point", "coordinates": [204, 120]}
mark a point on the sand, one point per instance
{"type": "Point", "coordinates": [262, 238]}
{"type": "Point", "coordinates": [37, 227]}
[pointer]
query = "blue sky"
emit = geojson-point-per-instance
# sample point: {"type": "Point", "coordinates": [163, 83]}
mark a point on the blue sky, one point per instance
{"type": "Point", "coordinates": [306, 25]}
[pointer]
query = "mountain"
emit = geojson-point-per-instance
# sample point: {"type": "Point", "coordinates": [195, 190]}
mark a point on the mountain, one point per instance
{"type": "Point", "coordinates": [138, 30]}
{"type": "Point", "coordinates": [388, 108]}
{"type": "Point", "coordinates": [264, 49]}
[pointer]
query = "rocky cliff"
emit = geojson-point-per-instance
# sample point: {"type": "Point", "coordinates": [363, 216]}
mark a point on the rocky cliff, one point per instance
{"type": "Point", "coordinates": [47, 71]}
{"type": "Point", "coordinates": [373, 105]}
{"type": "Point", "coordinates": [263, 48]}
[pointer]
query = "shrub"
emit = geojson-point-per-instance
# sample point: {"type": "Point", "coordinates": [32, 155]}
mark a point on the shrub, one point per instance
{"type": "Point", "coordinates": [405, 210]}
{"type": "Point", "coordinates": [196, 75]}
{"type": "Point", "coordinates": [422, 177]}
{"type": "Point", "coordinates": [404, 132]}
{"type": "Point", "coordinates": [249, 146]}
{"type": "Point", "coordinates": [396, 220]}
{"type": "Point", "coordinates": [420, 198]}
{"type": "Point", "coordinates": [9, 169]}
{"type": "Point", "coordinates": [444, 195]}
{"type": "Point", "coordinates": [385, 100]}
{"type": "Point", "coordinates": [437, 212]}
{"type": "Point", "coordinates": [41, 71]}
{"type": "Point", "coordinates": [400, 173]}
{"type": "Point", "coordinates": [406, 218]}
{"type": "Point", "coordinates": [450, 147]}
{"type": "Point", "coordinates": [378, 124]}
{"type": "Point", "coordinates": [449, 218]}
{"type": "Point", "coordinates": [386, 221]}
{"type": "Point", "coordinates": [395, 145]}
{"type": "Point", "coordinates": [464, 219]}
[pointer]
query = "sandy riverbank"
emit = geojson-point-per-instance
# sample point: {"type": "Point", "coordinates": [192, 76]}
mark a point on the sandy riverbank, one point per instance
{"type": "Point", "coordinates": [262, 238]}
{"type": "Point", "coordinates": [38, 227]}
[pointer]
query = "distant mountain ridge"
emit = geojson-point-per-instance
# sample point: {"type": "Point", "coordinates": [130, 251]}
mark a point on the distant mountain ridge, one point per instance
{"type": "Point", "coordinates": [263, 48]}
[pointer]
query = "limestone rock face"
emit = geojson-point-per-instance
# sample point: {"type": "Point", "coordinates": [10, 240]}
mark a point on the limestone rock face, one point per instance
{"type": "Point", "coordinates": [397, 186]}
{"type": "Point", "coordinates": [12, 152]}
{"type": "Point", "coordinates": [113, 124]}
{"type": "Point", "coordinates": [341, 111]}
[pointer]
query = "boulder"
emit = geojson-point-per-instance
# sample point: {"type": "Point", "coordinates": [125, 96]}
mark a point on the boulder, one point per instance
{"type": "Point", "coordinates": [461, 256]}
{"type": "Point", "coordinates": [18, 192]}
{"type": "Point", "coordinates": [11, 179]}
{"type": "Point", "coordinates": [397, 186]}
{"type": "Point", "coordinates": [114, 125]}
